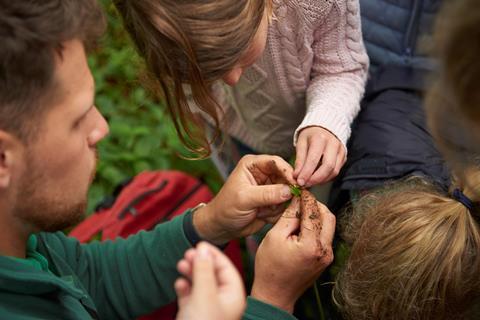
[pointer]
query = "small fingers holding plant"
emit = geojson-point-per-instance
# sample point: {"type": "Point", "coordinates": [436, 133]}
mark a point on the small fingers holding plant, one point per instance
{"type": "Point", "coordinates": [324, 158]}
{"type": "Point", "coordinates": [301, 154]}
{"type": "Point", "coordinates": [314, 154]}
{"type": "Point", "coordinates": [330, 164]}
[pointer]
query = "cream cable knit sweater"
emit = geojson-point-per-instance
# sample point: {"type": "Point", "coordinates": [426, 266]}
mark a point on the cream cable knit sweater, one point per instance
{"type": "Point", "coordinates": [312, 73]}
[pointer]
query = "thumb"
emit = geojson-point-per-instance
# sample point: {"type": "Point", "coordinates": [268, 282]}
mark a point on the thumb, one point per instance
{"type": "Point", "coordinates": [289, 222]}
{"type": "Point", "coordinates": [204, 281]}
{"type": "Point", "coordinates": [268, 195]}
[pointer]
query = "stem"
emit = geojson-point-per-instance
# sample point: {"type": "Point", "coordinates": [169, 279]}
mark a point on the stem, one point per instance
{"type": "Point", "coordinates": [319, 302]}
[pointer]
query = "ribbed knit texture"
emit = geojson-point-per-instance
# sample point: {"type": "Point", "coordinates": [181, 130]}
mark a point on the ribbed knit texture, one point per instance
{"type": "Point", "coordinates": [312, 73]}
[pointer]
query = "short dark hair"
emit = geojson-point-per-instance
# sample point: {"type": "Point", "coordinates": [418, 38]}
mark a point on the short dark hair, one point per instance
{"type": "Point", "coordinates": [32, 34]}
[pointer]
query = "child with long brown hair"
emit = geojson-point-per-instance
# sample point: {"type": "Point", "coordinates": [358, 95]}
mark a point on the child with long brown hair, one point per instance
{"type": "Point", "coordinates": [297, 71]}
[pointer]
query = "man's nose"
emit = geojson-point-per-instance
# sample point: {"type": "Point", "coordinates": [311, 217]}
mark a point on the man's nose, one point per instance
{"type": "Point", "coordinates": [100, 130]}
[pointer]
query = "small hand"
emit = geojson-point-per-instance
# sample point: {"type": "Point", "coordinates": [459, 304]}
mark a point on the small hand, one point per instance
{"type": "Point", "coordinates": [286, 264]}
{"type": "Point", "coordinates": [211, 289]}
{"type": "Point", "coordinates": [320, 156]}
{"type": "Point", "coordinates": [248, 199]}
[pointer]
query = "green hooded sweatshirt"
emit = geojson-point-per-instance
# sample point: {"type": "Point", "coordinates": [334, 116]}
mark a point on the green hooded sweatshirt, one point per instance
{"type": "Point", "coordinates": [121, 279]}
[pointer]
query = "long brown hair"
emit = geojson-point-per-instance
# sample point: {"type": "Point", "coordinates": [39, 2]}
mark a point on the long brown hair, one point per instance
{"type": "Point", "coordinates": [414, 254]}
{"type": "Point", "coordinates": [191, 43]}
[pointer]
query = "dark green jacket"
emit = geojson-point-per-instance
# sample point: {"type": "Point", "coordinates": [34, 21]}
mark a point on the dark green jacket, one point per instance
{"type": "Point", "coordinates": [102, 280]}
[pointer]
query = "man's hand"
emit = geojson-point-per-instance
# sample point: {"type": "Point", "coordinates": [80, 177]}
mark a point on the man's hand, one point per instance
{"type": "Point", "coordinates": [320, 156]}
{"type": "Point", "coordinates": [248, 199]}
{"type": "Point", "coordinates": [286, 264]}
{"type": "Point", "coordinates": [212, 288]}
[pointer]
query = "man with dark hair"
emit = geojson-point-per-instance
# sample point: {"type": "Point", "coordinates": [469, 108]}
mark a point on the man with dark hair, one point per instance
{"type": "Point", "coordinates": [28, 43]}
{"type": "Point", "coordinates": [49, 128]}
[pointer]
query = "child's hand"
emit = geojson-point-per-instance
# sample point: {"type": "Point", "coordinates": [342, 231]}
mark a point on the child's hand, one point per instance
{"type": "Point", "coordinates": [320, 156]}
{"type": "Point", "coordinates": [214, 289]}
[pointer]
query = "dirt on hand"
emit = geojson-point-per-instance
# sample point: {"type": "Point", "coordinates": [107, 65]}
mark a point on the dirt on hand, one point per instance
{"type": "Point", "coordinates": [308, 210]}
{"type": "Point", "coordinates": [269, 174]}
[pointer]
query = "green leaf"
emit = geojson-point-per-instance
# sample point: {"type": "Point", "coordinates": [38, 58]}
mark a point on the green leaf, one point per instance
{"type": "Point", "coordinates": [295, 190]}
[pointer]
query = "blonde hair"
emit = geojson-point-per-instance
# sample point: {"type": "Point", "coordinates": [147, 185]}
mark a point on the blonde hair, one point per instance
{"type": "Point", "coordinates": [414, 254]}
{"type": "Point", "coordinates": [453, 103]}
{"type": "Point", "coordinates": [195, 43]}
{"type": "Point", "coordinates": [414, 249]}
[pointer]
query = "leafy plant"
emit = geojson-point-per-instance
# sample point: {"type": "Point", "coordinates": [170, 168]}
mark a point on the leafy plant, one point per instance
{"type": "Point", "coordinates": [295, 190]}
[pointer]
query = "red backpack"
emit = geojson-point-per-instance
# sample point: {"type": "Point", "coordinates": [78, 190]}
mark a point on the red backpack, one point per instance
{"type": "Point", "coordinates": [150, 198]}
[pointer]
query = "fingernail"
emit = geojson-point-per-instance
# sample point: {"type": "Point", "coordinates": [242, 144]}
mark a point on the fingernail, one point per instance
{"type": "Point", "coordinates": [203, 253]}
{"type": "Point", "coordinates": [301, 182]}
{"type": "Point", "coordinates": [286, 193]}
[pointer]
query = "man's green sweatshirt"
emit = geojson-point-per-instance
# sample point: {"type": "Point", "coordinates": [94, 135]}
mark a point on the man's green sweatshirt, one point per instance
{"type": "Point", "coordinates": [119, 279]}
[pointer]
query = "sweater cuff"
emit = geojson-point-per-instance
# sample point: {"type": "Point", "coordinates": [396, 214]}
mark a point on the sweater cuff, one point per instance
{"type": "Point", "coordinates": [331, 121]}
{"type": "Point", "coordinates": [191, 233]}
{"type": "Point", "coordinates": [258, 310]}
{"type": "Point", "coordinates": [189, 230]}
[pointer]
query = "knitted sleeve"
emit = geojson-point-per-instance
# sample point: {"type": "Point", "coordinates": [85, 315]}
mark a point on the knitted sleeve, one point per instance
{"type": "Point", "coordinates": [338, 72]}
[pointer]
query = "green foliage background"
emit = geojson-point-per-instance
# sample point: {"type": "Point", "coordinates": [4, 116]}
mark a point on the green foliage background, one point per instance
{"type": "Point", "coordinates": [142, 137]}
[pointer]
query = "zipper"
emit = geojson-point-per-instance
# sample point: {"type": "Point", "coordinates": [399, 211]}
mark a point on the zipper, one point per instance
{"type": "Point", "coordinates": [130, 208]}
{"type": "Point", "coordinates": [412, 29]}
{"type": "Point", "coordinates": [179, 203]}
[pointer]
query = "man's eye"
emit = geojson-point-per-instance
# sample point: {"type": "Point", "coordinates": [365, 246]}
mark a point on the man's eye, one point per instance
{"type": "Point", "coordinates": [79, 121]}
{"type": "Point", "coordinates": [76, 124]}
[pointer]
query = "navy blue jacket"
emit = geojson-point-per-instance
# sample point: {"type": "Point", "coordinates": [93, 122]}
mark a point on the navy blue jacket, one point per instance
{"type": "Point", "coordinates": [390, 139]}
{"type": "Point", "coordinates": [395, 31]}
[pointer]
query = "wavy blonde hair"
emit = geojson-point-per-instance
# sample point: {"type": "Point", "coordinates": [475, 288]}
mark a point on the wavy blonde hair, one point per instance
{"type": "Point", "coordinates": [195, 43]}
{"type": "Point", "coordinates": [414, 254]}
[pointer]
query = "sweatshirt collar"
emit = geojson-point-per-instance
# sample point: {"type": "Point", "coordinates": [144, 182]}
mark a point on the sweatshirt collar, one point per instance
{"type": "Point", "coordinates": [33, 277]}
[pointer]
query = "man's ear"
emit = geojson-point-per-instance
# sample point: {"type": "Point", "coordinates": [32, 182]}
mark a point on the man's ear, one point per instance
{"type": "Point", "coordinates": [10, 155]}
